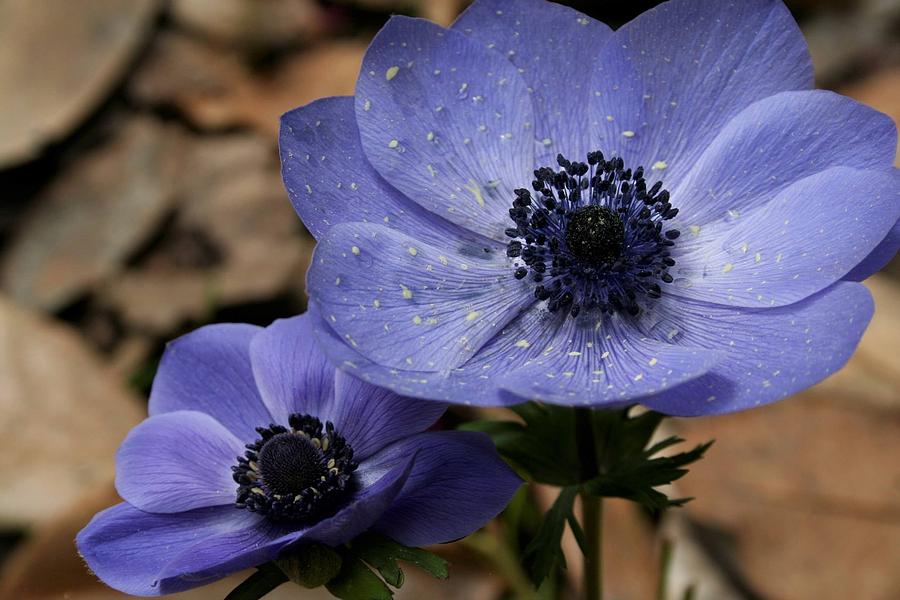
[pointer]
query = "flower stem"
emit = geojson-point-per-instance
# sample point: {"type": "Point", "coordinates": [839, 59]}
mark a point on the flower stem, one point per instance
{"type": "Point", "coordinates": [591, 506]}
{"type": "Point", "coordinates": [592, 509]}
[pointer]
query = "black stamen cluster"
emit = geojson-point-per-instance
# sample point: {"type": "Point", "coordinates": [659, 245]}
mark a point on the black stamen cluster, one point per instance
{"type": "Point", "coordinates": [294, 473]}
{"type": "Point", "coordinates": [591, 236]}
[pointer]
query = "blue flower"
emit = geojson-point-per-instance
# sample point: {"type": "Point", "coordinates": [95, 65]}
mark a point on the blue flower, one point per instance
{"type": "Point", "coordinates": [256, 445]}
{"type": "Point", "coordinates": [529, 205]}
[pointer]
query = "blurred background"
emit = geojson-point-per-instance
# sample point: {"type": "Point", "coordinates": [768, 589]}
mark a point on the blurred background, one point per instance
{"type": "Point", "coordinates": [140, 198]}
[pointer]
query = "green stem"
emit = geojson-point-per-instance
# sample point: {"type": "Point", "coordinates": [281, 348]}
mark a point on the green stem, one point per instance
{"type": "Point", "coordinates": [591, 506]}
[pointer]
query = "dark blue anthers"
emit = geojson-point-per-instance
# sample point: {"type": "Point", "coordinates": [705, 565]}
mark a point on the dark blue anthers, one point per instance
{"type": "Point", "coordinates": [591, 236]}
{"type": "Point", "coordinates": [294, 473]}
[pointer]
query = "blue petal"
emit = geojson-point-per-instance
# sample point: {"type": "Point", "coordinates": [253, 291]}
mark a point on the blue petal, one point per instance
{"type": "Point", "coordinates": [209, 371]}
{"type": "Point", "coordinates": [371, 417]}
{"type": "Point", "coordinates": [542, 40]}
{"type": "Point", "coordinates": [219, 555]}
{"type": "Point", "coordinates": [177, 461]}
{"type": "Point", "coordinates": [539, 356]}
{"type": "Point", "coordinates": [457, 484]}
{"type": "Point", "coordinates": [330, 181]}
{"type": "Point", "coordinates": [447, 122]}
{"type": "Point", "coordinates": [151, 554]}
{"type": "Point", "coordinates": [292, 373]}
{"type": "Point", "coordinates": [770, 353]}
{"type": "Point", "coordinates": [805, 238]}
{"type": "Point", "coordinates": [776, 142]}
{"type": "Point", "coordinates": [129, 549]}
{"type": "Point", "coordinates": [669, 80]}
{"type": "Point", "coordinates": [883, 253]}
{"type": "Point", "coordinates": [406, 304]}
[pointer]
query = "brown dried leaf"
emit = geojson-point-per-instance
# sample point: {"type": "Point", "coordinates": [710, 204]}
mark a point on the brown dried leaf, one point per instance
{"type": "Point", "coordinates": [255, 24]}
{"type": "Point", "coordinates": [230, 194]}
{"type": "Point", "coordinates": [58, 62]}
{"type": "Point", "coordinates": [215, 90]}
{"type": "Point", "coordinates": [62, 417]}
{"type": "Point", "coordinates": [100, 209]}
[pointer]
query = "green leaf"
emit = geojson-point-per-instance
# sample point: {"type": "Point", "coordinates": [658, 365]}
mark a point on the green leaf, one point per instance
{"type": "Point", "coordinates": [357, 582]}
{"type": "Point", "coordinates": [383, 553]}
{"type": "Point", "coordinates": [311, 565]}
{"type": "Point", "coordinates": [635, 476]}
{"type": "Point", "coordinates": [267, 578]}
{"type": "Point", "coordinates": [543, 447]}
{"type": "Point", "coordinates": [544, 551]}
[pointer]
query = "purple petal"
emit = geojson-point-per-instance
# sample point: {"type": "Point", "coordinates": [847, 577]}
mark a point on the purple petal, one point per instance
{"type": "Point", "coordinates": [448, 122]}
{"type": "Point", "coordinates": [776, 142]}
{"type": "Point", "coordinates": [669, 80]}
{"type": "Point", "coordinates": [407, 304]}
{"type": "Point", "coordinates": [515, 365]}
{"type": "Point", "coordinates": [129, 549]}
{"type": "Point", "coordinates": [458, 483]}
{"type": "Point", "coordinates": [152, 554]}
{"type": "Point", "coordinates": [807, 237]}
{"type": "Point", "coordinates": [330, 181]}
{"type": "Point", "coordinates": [541, 39]}
{"type": "Point", "coordinates": [380, 488]}
{"type": "Point", "coordinates": [219, 555]}
{"type": "Point", "coordinates": [177, 461]}
{"type": "Point", "coordinates": [292, 373]}
{"type": "Point", "coordinates": [883, 253]}
{"type": "Point", "coordinates": [371, 417]}
{"type": "Point", "coordinates": [771, 353]}
{"type": "Point", "coordinates": [586, 361]}
{"type": "Point", "coordinates": [208, 370]}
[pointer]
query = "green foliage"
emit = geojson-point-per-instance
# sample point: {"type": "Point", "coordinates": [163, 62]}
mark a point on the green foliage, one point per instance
{"type": "Point", "coordinates": [348, 572]}
{"type": "Point", "coordinates": [356, 581]}
{"type": "Point", "coordinates": [544, 553]}
{"type": "Point", "coordinates": [267, 578]}
{"type": "Point", "coordinates": [604, 453]}
{"type": "Point", "coordinates": [312, 566]}
{"type": "Point", "coordinates": [542, 449]}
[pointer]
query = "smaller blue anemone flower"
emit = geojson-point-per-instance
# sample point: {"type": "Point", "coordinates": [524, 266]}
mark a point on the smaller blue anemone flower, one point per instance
{"type": "Point", "coordinates": [255, 445]}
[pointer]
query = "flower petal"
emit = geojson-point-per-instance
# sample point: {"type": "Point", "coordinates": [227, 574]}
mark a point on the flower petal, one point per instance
{"type": "Point", "coordinates": [514, 366]}
{"type": "Point", "coordinates": [541, 38]}
{"type": "Point", "coordinates": [403, 303]}
{"type": "Point", "coordinates": [329, 180]}
{"type": "Point", "coordinates": [129, 549]}
{"type": "Point", "coordinates": [776, 142]}
{"type": "Point", "coordinates": [379, 489]}
{"type": "Point", "coordinates": [670, 79]}
{"type": "Point", "coordinates": [586, 361]}
{"type": "Point", "coordinates": [292, 373]}
{"type": "Point", "coordinates": [371, 417]}
{"type": "Point", "coordinates": [878, 258]}
{"type": "Point", "coordinates": [219, 555]}
{"type": "Point", "coordinates": [771, 353]}
{"type": "Point", "coordinates": [208, 370]}
{"type": "Point", "coordinates": [457, 484]}
{"type": "Point", "coordinates": [177, 461]}
{"type": "Point", "coordinates": [807, 237]}
{"type": "Point", "coordinates": [447, 122]}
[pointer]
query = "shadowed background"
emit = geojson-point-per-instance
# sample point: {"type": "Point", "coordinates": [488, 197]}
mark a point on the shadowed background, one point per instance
{"type": "Point", "coordinates": [140, 197]}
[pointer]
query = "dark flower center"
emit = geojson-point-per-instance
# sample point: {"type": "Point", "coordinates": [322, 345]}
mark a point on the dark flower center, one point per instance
{"type": "Point", "coordinates": [294, 473]}
{"type": "Point", "coordinates": [591, 236]}
{"type": "Point", "coordinates": [595, 235]}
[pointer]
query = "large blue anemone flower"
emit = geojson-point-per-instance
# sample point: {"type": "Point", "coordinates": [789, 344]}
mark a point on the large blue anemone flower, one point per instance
{"type": "Point", "coordinates": [256, 445]}
{"type": "Point", "coordinates": [528, 205]}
